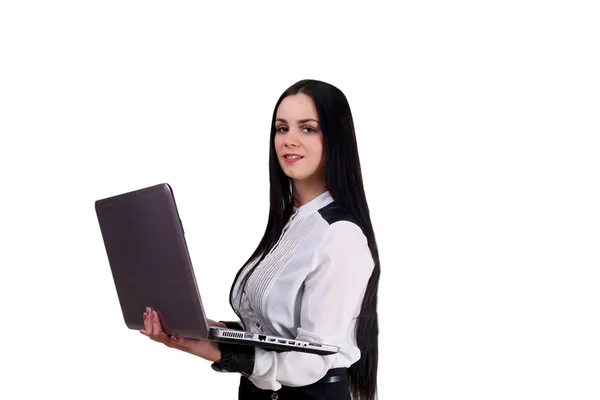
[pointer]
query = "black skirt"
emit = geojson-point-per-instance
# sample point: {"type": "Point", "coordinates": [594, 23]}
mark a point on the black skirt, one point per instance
{"type": "Point", "coordinates": [337, 390]}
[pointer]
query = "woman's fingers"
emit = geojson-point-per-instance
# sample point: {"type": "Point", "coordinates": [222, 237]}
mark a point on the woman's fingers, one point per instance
{"type": "Point", "coordinates": [158, 334]}
{"type": "Point", "coordinates": [157, 329]}
{"type": "Point", "coordinates": [153, 328]}
{"type": "Point", "coordinates": [147, 322]}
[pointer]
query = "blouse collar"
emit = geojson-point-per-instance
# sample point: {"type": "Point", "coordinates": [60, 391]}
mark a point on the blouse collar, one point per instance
{"type": "Point", "coordinates": [315, 204]}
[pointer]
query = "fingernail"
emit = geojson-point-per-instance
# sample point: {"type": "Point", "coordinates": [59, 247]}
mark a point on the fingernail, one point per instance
{"type": "Point", "coordinates": [174, 338]}
{"type": "Point", "coordinates": [154, 313]}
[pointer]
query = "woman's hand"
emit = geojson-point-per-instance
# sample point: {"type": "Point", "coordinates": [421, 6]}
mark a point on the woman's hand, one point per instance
{"type": "Point", "coordinates": [201, 348]}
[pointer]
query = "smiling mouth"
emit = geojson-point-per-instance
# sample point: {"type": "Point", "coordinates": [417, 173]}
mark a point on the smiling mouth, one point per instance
{"type": "Point", "coordinates": [292, 158]}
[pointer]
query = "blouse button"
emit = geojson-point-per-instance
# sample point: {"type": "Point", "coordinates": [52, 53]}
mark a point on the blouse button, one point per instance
{"type": "Point", "coordinates": [274, 396]}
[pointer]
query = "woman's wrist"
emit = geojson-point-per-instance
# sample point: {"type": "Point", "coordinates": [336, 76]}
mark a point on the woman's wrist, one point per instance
{"type": "Point", "coordinates": [235, 358]}
{"type": "Point", "coordinates": [215, 353]}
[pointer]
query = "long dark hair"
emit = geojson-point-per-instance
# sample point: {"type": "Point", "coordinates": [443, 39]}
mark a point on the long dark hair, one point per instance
{"type": "Point", "coordinates": [343, 178]}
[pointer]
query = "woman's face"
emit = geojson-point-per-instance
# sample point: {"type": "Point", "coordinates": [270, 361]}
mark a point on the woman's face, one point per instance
{"type": "Point", "coordinates": [299, 139]}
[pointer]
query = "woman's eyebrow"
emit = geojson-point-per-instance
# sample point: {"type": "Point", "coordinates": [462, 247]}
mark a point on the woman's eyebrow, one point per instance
{"type": "Point", "coordinates": [301, 121]}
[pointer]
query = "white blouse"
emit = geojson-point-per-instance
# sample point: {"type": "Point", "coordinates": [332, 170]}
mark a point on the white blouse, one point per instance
{"type": "Point", "coordinates": [309, 287]}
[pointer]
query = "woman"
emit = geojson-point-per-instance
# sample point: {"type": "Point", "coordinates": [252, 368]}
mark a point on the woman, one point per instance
{"type": "Point", "coordinates": [314, 276]}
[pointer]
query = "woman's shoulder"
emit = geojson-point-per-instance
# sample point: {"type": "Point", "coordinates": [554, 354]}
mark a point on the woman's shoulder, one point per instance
{"type": "Point", "coordinates": [342, 241]}
{"type": "Point", "coordinates": [333, 213]}
{"type": "Point", "coordinates": [341, 222]}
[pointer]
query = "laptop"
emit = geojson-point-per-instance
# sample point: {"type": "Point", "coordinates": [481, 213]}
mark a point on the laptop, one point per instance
{"type": "Point", "coordinates": [151, 267]}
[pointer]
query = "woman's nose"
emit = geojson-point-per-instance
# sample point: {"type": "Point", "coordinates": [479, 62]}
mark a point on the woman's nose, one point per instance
{"type": "Point", "coordinates": [291, 143]}
{"type": "Point", "coordinates": [291, 139]}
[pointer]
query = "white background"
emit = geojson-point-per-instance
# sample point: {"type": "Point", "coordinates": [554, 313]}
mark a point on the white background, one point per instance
{"type": "Point", "coordinates": [478, 130]}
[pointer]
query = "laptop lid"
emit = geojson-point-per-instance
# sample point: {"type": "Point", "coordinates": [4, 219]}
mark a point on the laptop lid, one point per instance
{"type": "Point", "coordinates": [149, 259]}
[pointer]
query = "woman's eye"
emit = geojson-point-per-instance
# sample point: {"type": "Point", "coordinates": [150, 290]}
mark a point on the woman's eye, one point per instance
{"type": "Point", "coordinates": [282, 129]}
{"type": "Point", "coordinates": [309, 128]}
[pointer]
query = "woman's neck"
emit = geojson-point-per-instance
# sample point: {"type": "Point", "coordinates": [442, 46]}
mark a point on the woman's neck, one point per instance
{"type": "Point", "coordinates": [304, 192]}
